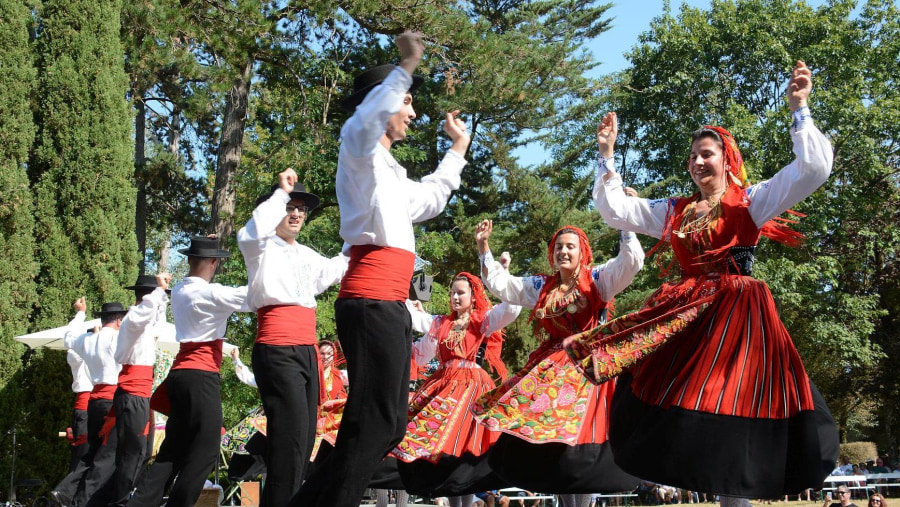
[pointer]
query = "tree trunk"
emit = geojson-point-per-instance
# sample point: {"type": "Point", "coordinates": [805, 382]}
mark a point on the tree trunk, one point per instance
{"type": "Point", "coordinates": [229, 153]}
{"type": "Point", "coordinates": [140, 160]}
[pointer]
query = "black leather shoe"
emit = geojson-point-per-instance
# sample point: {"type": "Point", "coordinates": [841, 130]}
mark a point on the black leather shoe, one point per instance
{"type": "Point", "coordinates": [60, 499]}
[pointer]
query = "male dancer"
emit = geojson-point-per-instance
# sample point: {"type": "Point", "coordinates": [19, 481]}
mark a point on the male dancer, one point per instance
{"type": "Point", "coordinates": [283, 279]}
{"type": "Point", "coordinates": [136, 352]}
{"type": "Point", "coordinates": [378, 206]}
{"type": "Point", "coordinates": [81, 386]}
{"type": "Point", "coordinates": [192, 390]}
{"type": "Point", "coordinates": [85, 485]}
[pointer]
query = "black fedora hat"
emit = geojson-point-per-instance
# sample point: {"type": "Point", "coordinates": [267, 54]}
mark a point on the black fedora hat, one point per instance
{"type": "Point", "coordinates": [312, 201]}
{"type": "Point", "coordinates": [365, 81]}
{"type": "Point", "coordinates": [202, 246]}
{"type": "Point", "coordinates": [111, 308]}
{"type": "Point", "coordinates": [145, 283]}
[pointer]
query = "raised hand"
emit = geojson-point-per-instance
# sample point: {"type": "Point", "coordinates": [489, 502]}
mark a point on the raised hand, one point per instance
{"type": "Point", "coordinates": [163, 280]}
{"type": "Point", "coordinates": [607, 131]}
{"type": "Point", "coordinates": [411, 50]}
{"type": "Point", "coordinates": [799, 86]}
{"type": "Point", "coordinates": [287, 179]}
{"type": "Point", "coordinates": [80, 305]}
{"type": "Point", "coordinates": [630, 192]}
{"type": "Point", "coordinates": [458, 132]}
{"type": "Point", "coordinates": [483, 230]}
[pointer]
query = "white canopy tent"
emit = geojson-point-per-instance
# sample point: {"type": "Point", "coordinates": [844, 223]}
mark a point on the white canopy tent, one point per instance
{"type": "Point", "coordinates": [53, 338]}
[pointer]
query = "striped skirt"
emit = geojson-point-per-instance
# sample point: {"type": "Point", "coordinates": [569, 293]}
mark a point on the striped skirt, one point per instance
{"type": "Point", "coordinates": [716, 400]}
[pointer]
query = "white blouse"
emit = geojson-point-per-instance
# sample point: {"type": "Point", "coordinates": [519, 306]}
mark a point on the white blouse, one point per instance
{"type": "Point", "coordinates": [425, 348]}
{"type": "Point", "coordinates": [768, 199]}
{"type": "Point", "coordinates": [611, 277]}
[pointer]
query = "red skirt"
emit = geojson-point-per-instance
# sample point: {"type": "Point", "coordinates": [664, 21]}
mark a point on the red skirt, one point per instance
{"type": "Point", "coordinates": [714, 397]}
{"type": "Point", "coordinates": [441, 421]}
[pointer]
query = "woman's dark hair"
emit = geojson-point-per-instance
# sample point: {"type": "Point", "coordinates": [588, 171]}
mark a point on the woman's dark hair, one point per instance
{"type": "Point", "coordinates": [710, 133]}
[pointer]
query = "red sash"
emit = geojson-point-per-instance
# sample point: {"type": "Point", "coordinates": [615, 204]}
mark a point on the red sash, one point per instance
{"type": "Point", "coordinates": [286, 325]}
{"type": "Point", "coordinates": [375, 272]}
{"type": "Point", "coordinates": [204, 356]}
{"type": "Point", "coordinates": [136, 380]}
{"type": "Point", "coordinates": [103, 392]}
{"type": "Point", "coordinates": [81, 400]}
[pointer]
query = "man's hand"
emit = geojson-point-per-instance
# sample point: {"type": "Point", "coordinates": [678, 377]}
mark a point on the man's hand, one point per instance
{"type": "Point", "coordinates": [458, 132]}
{"type": "Point", "coordinates": [163, 279]}
{"type": "Point", "coordinates": [505, 260]}
{"type": "Point", "coordinates": [411, 50]}
{"type": "Point", "coordinates": [799, 86]}
{"type": "Point", "coordinates": [630, 192]}
{"type": "Point", "coordinates": [607, 131]}
{"type": "Point", "coordinates": [287, 179]}
{"type": "Point", "coordinates": [80, 305]}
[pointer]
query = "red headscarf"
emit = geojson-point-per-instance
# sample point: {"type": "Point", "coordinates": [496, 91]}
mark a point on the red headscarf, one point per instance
{"type": "Point", "coordinates": [585, 284]}
{"type": "Point", "coordinates": [775, 229]}
{"type": "Point", "coordinates": [480, 305]}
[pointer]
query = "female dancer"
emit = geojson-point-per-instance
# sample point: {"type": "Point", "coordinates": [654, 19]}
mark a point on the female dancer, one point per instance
{"type": "Point", "coordinates": [554, 421]}
{"type": "Point", "coordinates": [444, 450]}
{"type": "Point", "coordinates": [726, 407]}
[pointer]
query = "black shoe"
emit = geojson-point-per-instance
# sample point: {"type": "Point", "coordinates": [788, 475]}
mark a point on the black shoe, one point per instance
{"type": "Point", "coordinates": [60, 499]}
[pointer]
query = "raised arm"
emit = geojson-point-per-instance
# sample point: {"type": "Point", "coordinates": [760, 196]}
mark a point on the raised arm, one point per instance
{"type": "Point", "coordinates": [328, 271]}
{"type": "Point", "coordinates": [813, 162]}
{"type": "Point", "coordinates": [140, 316]}
{"type": "Point", "coordinates": [423, 322]}
{"type": "Point", "coordinates": [362, 132]}
{"type": "Point", "coordinates": [616, 274]}
{"type": "Point", "coordinates": [618, 209]}
{"type": "Point", "coordinates": [75, 330]}
{"type": "Point", "coordinates": [266, 217]}
{"type": "Point", "coordinates": [497, 280]}
{"type": "Point", "coordinates": [499, 317]}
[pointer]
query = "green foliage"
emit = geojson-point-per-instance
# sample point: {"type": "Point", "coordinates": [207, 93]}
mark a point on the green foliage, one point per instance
{"type": "Point", "coordinates": [729, 65]}
{"type": "Point", "coordinates": [859, 452]}
{"type": "Point", "coordinates": [18, 80]}
{"type": "Point", "coordinates": [82, 166]}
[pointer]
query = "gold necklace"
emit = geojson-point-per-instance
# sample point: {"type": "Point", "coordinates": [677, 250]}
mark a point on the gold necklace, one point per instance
{"type": "Point", "coordinates": [457, 333]}
{"type": "Point", "coordinates": [692, 225]}
{"type": "Point", "coordinates": [560, 301]}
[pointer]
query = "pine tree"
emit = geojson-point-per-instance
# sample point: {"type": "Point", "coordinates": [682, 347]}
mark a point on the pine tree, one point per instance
{"type": "Point", "coordinates": [82, 167]}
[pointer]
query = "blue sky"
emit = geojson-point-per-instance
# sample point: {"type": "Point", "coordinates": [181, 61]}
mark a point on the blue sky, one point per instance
{"type": "Point", "coordinates": [630, 19]}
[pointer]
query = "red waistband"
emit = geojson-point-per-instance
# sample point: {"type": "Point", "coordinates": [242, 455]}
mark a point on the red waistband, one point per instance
{"type": "Point", "coordinates": [205, 356]}
{"type": "Point", "coordinates": [136, 379]}
{"type": "Point", "coordinates": [103, 392]}
{"type": "Point", "coordinates": [81, 400]}
{"type": "Point", "coordinates": [375, 272]}
{"type": "Point", "coordinates": [286, 325]}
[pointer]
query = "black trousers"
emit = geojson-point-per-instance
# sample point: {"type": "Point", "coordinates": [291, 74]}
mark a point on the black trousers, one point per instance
{"type": "Point", "coordinates": [191, 447]}
{"type": "Point", "coordinates": [374, 336]}
{"type": "Point", "coordinates": [132, 415]}
{"type": "Point", "coordinates": [88, 484]}
{"type": "Point", "coordinates": [79, 429]}
{"type": "Point", "coordinates": [288, 382]}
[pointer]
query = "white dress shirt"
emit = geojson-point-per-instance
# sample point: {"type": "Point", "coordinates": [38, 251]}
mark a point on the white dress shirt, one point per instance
{"type": "Point", "coordinates": [424, 349]}
{"type": "Point", "coordinates": [81, 379]}
{"type": "Point", "coordinates": [768, 199]}
{"type": "Point", "coordinates": [201, 309]}
{"type": "Point", "coordinates": [278, 272]}
{"type": "Point", "coordinates": [611, 277]}
{"type": "Point", "coordinates": [140, 329]}
{"type": "Point", "coordinates": [97, 350]}
{"type": "Point", "coordinates": [378, 202]}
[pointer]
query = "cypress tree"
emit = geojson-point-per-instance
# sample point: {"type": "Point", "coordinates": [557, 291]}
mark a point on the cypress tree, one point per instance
{"type": "Point", "coordinates": [17, 271]}
{"type": "Point", "coordinates": [83, 165]}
